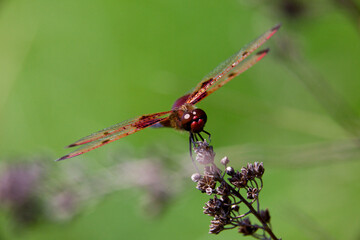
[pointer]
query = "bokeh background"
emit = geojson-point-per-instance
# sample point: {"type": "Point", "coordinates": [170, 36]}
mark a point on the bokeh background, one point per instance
{"type": "Point", "coordinates": [68, 68]}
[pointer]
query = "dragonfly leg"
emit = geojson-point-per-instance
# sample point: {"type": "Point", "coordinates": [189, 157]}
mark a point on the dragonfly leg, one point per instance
{"type": "Point", "coordinates": [192, 144]}
{"type": "Point", "coordinates": [208, 135]}
{"type": "Point", "coordinates": [202, 139]}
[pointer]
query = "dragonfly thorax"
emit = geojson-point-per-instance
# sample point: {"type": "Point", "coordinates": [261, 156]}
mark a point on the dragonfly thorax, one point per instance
{"type": "Point", "coordinates": [194, 120]}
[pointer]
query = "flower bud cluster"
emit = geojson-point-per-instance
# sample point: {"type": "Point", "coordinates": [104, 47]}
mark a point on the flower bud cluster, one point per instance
{"type": "Point", "coordinates": [228, 207]}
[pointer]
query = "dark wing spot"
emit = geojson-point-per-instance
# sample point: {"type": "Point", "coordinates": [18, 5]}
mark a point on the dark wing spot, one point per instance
{"type": "Point", "coordinates": [276, 27]}
{"type": "Point", "coordinates": [106, 133]}
{"type": "Point", "coordinates": [141, 125]}
{"type": "Point", "coordinates": [105, 141]}
{"type": "Point", "coordinates": [142, 117]}
{"type": "Point", "coordinates": [263, 51]}
{"type": "Point", "coordinates": [203, 95]}
{"type": "Point", "coordinates": [244, 53]}
{"type": "Point", "coordinates": [62, 158]}
{"type": "Point", "coordinates": [232, 74]}
{"type": "Point", "coordinates": [206, 82]}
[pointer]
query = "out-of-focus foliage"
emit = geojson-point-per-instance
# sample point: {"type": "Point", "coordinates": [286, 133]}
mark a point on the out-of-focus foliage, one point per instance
{"type": "Point", "coordinates": [68, 68]}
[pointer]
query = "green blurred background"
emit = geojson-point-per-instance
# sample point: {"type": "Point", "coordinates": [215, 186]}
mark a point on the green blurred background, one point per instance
{"type": "Point", "coordinates": [68, 68]}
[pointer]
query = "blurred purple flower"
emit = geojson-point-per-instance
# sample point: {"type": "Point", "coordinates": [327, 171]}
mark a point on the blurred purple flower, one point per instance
{"type": "Point", "coordinates": [18, 183]}
{"type": "Point", "coordinates": [18, 191]}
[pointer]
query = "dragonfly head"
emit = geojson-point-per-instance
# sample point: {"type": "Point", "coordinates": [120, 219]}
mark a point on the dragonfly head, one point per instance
{"type": "Point", "coordinates": [194, 120]}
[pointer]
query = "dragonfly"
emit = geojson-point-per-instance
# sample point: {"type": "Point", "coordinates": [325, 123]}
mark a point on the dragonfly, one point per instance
{"type": "Point", "coordinates": [183, 115]}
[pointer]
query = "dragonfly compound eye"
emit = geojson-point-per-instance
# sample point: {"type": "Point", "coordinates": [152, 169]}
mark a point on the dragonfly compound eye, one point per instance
{"type": "Point", "coordinates": [186, 120]}
{"type": "Point", "coordinates": [198, 120]}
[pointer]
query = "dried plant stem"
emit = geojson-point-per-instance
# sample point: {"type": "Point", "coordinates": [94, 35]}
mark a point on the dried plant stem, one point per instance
{"type": "Point", "coordinates": [249, 205]}
{"type": "Point", "coordinates": [225, 187]}
{"type": "Point", "coordinates": [253, 211]}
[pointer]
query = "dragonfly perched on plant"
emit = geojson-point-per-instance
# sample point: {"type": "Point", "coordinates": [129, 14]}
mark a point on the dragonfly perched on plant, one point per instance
{"type": "Point", "coordinates": [183, 114]}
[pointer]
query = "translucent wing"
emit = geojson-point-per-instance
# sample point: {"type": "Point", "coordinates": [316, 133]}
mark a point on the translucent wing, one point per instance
{"type": "Point", "coordinates": [115, 132]}
{"type": "Point", "coordinates": [242, 67]}
{"type": "Point", "coordinates": [230, 68]}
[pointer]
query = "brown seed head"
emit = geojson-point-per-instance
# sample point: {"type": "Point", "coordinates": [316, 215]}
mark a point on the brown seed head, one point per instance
{"type": "Point", "coordinates": [216, 226]}
{"type": "Point", "coordinates": [259, 169]}
{"type": "Point", "coordinates": [246, 228]}
{"type": "Point", "coordinates": [223, 189]}
{"type": "Point", "coordinates": [252, 193]}
{"type": "Point", "coordinates": [206, 182]}
{"type": "Point", "coordinates": [265, 215]}
{"type": "Point", "coordinates": [238, 180]}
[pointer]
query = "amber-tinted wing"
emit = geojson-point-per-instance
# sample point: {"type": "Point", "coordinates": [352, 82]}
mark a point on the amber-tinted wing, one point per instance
{"type": "Point", "coordinates": [115, 132]}
{"type": "Point", "coordinates": [231, 68]}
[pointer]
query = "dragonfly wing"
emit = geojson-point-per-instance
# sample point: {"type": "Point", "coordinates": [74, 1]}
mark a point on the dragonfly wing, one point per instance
{"type": "Point", "coordinates": [240, 68]}
{"type": "Point", "coordinates": [120, 128]}
{"type": "Point", "coordinates": [115, 132]}
{"type": "Point", "coordinates": [215, 78]}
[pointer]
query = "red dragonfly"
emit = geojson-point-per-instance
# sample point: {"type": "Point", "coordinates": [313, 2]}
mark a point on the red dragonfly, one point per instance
{"type": "Point", "coordinates": [183, 115]}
